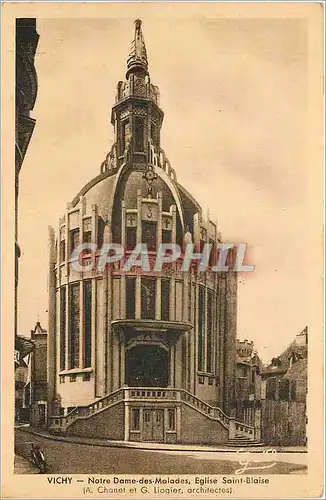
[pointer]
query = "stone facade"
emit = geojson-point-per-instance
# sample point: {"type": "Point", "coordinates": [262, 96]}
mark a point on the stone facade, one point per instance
{"type": "Point", "coordinates": [36, 388]}
{"type": "Point", "coordinates": [149, 351]}
{"type": "Point", "coordinates": [284, 395]}
{"type": "Point", "coordinates": [26, 91]}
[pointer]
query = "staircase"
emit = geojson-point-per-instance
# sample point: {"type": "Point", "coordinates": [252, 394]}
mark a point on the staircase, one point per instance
{"type": "Point", "coordinates": [240, 434]}
{"type": "Point", "coordinates": [240, 441]}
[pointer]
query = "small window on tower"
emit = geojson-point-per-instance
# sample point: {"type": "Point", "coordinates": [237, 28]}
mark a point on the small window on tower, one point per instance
{"type": "Point", "coordinates": [125, 130]}
{"type": "Point", "coordinates": [139, 134]}
{"type": "Point", "coordinates": [153, 133]}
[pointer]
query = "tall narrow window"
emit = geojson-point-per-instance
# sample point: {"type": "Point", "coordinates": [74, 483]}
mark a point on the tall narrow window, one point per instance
{"type": "Point", "coordinates": [148, 298]}
{"type": "Point", "coordinates": [165, 299]}
{"type": "Point", "coordinates": [131, 237]}
{"type": "Point", "coordinates": [100, 232]}
{"type": "Point", "coordinates": [209, 329]}
{"type": "Point", "coordinates": [62, 244]}
{"type": "Point", "coordinates": [130, 297]}
{"type": "Point", "coordinates": [190, 306]}
{"type": "Point", "coordinates": [212, 255]}
{"type": "Point", "coordinates": [139, 134]}
{"type": "Point", "coordinates": [153, 133]}
{"type": "Point", "coordinates": [135, 420]}
{"type": "Point", "coordinates": [125, 130]}
{"type": "Point", "coordinates": [202, 239]}
{"type": "Point", "coordinates": [87, 323]}
{"type": "Point", "coordinates": [166, 236]}
{"type": "Point", "coordinates": [149, 234]}
{"type": "Point", "coordinates": [171, 419]}
{"type": "Point", "coordinates": [74, 319]}
{"type": "Point", "coordinates": [201, 326]}
{"type": "Point", "coordinates": [62, 328]}
{"type": "Point", "coordinates": [87, 235]}
{"type": "Point", "coordinates": [74, 239]}
{"type": "Point", "coordinates": [62, 250]}
{"type": "Point", "coordinates": [184, 362]}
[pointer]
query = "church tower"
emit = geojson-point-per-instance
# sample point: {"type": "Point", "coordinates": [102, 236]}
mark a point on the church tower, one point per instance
{"type": "Point", "coordinates": [136, 115]}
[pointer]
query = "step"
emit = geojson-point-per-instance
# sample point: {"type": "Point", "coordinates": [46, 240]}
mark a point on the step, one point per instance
{"type": "Point", "coordinates": [244, 444]}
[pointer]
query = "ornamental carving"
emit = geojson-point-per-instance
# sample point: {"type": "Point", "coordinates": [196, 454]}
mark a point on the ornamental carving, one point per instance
{"type": "Point", "coordinates": [140, 87]}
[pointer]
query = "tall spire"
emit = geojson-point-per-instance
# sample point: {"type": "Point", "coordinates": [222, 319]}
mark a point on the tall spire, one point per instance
{"type": "Point", "coordinates": [137, 60]}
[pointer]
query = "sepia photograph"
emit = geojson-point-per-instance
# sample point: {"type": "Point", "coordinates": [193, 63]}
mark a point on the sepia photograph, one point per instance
{"type": "Point", "coordinates": [168, 249]}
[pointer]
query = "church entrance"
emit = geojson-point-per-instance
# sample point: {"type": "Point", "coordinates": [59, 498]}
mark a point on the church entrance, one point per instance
{"type": "Point", "coordinates": [147, 366]}
{"type": "Point", "coordinates": [153, 425]}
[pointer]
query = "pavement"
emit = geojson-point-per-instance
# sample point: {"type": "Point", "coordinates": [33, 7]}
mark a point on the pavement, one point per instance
{"type": "Point", "coordinates": [24, 466]}
{"type": "Point", "coordinates": [162, 446]}
{"type": "Point", "coordinates": [74, 455]}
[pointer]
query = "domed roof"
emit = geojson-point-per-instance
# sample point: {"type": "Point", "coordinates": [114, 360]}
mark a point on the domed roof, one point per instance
{"type": "Point", "coordinates": [107, 190]}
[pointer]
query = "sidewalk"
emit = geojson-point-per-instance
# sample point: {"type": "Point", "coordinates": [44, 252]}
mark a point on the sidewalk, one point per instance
{"type": "Point", "coordinates": [23, 466]}
{"type": "Point", "coordinates": [160, 446]}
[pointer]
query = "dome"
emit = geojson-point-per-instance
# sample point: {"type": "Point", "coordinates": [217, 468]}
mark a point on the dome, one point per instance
{"type": "Point", "coordinates": [107, 191]}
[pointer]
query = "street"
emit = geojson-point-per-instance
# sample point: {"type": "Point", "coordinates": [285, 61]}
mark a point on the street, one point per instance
{"type": "Point", "coordinates": [77, 458]}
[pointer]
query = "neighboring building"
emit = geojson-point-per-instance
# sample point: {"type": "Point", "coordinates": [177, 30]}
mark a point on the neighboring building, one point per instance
{"type": "Point", "coordinates": [26, 91]}
{"type": "Point", "coordinates": [248, 384]}
{"type": "Point", "coordinates": [284, 395]}
{"type": "Point", "coordinates": [21, 374]}
{"type": "Point", "coordinates": [133, 355]}
{"type": "Point", "coordinates": [36, 386]}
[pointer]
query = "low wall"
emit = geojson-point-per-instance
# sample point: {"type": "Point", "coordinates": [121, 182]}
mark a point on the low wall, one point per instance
{"type": "Point", "coordinates": [197, 428]}
{"type": "Point", "coordinates": [283, 422]}
{"type": "Point", "coordinates": [108, 424]}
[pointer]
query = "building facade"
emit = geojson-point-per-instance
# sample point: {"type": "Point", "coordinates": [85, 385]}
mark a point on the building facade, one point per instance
{"type": "Point", "coordinates": [35, 392]}
{"type": "Point", "coordinates": [248, 385]}
{"type": "Point", "coordinates": [140, 355]}
{"type": "Point", "coordinates": [284, 395]}
{"type": "Point", "coordinates": [26, 92]}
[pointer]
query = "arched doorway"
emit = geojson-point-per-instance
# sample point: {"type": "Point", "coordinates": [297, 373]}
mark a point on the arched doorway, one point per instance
{"type": "Point", "coordinates": [147, 366]}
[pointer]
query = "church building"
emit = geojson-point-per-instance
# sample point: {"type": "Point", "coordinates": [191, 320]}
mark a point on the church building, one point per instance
{"type": "Point", "coordinates": [135, 355]}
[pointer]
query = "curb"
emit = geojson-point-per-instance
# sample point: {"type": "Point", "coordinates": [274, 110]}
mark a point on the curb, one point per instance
{"type": "Point", "coordinates": [108, 444]}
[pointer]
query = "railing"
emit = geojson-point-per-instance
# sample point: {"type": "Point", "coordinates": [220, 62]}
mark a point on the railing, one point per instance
{"type": "Point", "coordinates": [244, 429]}
{"type": "Point", "coordinates": [64, 421]}
{"type": "Point", "coordinates": [152, 393]}
{"type": "Point", "coordinates": [139, 88]}
{"type": "Point", "coordinates": [160, 395]}
{"type": "Point", "coordinates": [211, 411]}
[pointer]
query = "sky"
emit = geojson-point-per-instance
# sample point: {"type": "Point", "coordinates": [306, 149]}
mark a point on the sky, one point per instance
{"type": "Point", "coordinates": [234, 94]}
